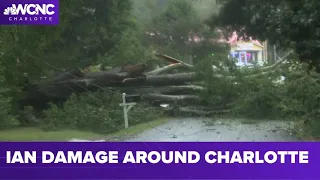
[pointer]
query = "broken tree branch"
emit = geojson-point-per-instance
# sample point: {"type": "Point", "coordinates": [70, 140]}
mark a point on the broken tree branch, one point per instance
{"type": "Point", "coordinates": [169, 90]}
{"type": "Point", "coordinates": [170, 98]}
{"type": "Point", "coordinates": [166, 69]}
{"type": "Point", "coordinates": [198, 112]}
{"type": "Point", "coordinates": [172, 60]}
{"type": "Point", "coordinates": [278, 63]}
{"type": "Point", "coordinates": [161, 80]}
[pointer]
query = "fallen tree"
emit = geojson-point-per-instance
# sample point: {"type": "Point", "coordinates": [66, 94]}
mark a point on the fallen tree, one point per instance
{"type": "Point", "coordinates": [154, 85]}
{"type": "Point", "coordinates": [166, 90]}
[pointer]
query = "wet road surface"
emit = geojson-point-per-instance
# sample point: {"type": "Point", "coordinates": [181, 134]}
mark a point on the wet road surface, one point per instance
{"type": "Point", "coordinates": [200, 130]}
{"type": "Point", "coordinates": [209, 130]}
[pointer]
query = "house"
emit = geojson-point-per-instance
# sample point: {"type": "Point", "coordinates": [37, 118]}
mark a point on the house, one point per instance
{"type": "Point", "coordinates": [246, 53]}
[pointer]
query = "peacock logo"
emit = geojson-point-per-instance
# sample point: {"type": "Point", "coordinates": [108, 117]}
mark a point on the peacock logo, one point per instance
{"type": "Point", "coordinates": [10, 11]}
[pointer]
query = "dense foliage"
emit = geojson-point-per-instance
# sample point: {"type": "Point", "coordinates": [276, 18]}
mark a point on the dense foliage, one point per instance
{"type": "Point", "coordinates": [7, 120]}
{"type": "Point", "coordinates": [89, 33]}
{"type": "Point", "coordinates": [100, 112]}
{"type": "Point", "coordinates": [288, 24]}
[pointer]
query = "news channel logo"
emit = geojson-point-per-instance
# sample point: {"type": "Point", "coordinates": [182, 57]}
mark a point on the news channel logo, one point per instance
{"type": "Point", "coordinates": [29, 12]}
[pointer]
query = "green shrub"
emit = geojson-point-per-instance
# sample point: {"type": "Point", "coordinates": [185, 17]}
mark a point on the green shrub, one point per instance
{"type": "Point", "coordinates": [302, 100]}
{"type": "Point", "coordinates": [97, 112]}
{"type": "Point", "coordinates": [7, 120]}
{"type": "Point", "coordinates": [219, 88]}
{"type": "Point", "coordinates": [259, 96]}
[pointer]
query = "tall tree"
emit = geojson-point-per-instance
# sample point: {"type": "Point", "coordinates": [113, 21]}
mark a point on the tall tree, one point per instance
{"type": "Point", "coordinates": [289, 24]}
{"type": "Point", "coordinates": [87, 31]}
{"type": "Point", "coordinates": [178, 31]}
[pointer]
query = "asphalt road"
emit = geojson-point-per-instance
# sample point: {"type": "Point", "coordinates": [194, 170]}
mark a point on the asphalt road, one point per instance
{"type": "Point", "coordinates": [209, 130]}
{"type": "Point", "coordinates": [200, 130]}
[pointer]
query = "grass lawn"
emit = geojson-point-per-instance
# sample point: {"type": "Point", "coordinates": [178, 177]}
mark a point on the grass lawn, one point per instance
{"type": "Point", "coordinates": [36, 134]}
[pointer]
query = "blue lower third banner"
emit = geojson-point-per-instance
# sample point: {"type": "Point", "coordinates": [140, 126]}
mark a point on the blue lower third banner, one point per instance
{"type": "Point", "coordinates": [159, 160]}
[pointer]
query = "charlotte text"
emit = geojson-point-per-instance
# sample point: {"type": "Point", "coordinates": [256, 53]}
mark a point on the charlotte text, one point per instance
{"type": "Point", "coordinates": [154, 157]}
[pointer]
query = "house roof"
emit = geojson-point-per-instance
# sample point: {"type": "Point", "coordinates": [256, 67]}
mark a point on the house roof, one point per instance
{"type": "Point", "coordinates": [246, 46]}
{"type": "Point", "coordinates": [256, 42]}
{"type": "Point", "coordinates": [234, 39]}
